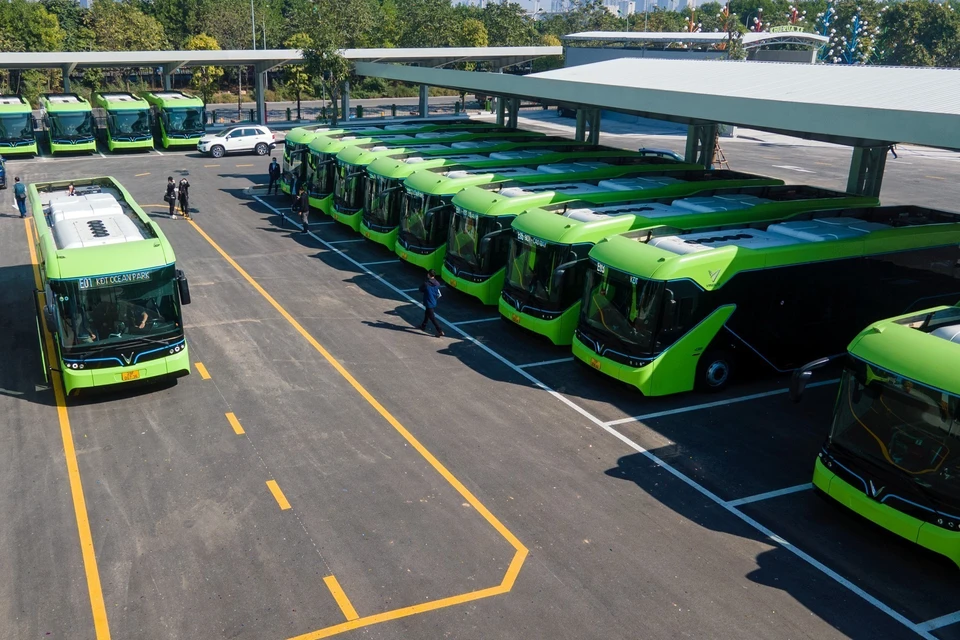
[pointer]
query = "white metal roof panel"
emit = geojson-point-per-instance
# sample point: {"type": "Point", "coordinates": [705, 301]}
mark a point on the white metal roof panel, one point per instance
{"type": "Point", "coordinates": [571, 167]}
{"type": "Point", "coordinates": [638, 184]}
{"type": "Point", "coordinates": [846, 104]}
{"type": "Point", "coordinates": [647, 210]}
{"type": "Point", "coordinates": [566, 188]}
{"type": "Point", "coordinates": [716, 37]}
{"type": "Point", "coordinates": [828, 229]}
{"type": "Point", "coordinates": [730, 202]}
{"type": "Point", "coordinates": [707, 240]}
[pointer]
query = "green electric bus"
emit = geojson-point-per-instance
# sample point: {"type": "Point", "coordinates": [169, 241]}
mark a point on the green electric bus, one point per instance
{"type": "Point", "coordinates": [321, 172]}
{"type": "Point", "coordinates": [352, 163]}
{"type": "Point", "coordinates": [16, 126]}
{"type": "Point", "coordinates": [889, 456]}
{"type": "Point", "coordinates": [181, 118]}
{"type": "Point", "coordinates": [127, 120]}
{"type": "Point", "coordinates": [113, 293]}
{"type": "Point", "coordinates": [547, 254]}
{"type": "Point", "coordinates": [668, 310]}
{"type": "Point", "coordinates": [297, 141]}
{"type": "Point", "coordinates": [383, 196]}
{"type": "Point", "coordinates": [427, 205]}
{"type": "Point", "coordinates": [69, 121]}
{"type": "Point", "coordinates": [479, 234]}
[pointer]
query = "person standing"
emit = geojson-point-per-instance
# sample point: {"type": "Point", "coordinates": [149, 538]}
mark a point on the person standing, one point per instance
{"type": "Point", "coordinates": [431, 295]}
{"type": "Point", "coordinates": [274, 173]}
{"type": "Point", "coordinates": [20, 195]}
{"type": "Point", "coordinates": [170, 197]}
{"type": "Point", "coordinates": [301, 206]}
{"type": "Point", "coordinates": [183, 197]}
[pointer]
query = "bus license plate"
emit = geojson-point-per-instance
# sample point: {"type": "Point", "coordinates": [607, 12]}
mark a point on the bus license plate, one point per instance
{"type": "Point", "coordinates": [130, 375]}
{"type": "Point", "coordinates": [595, 363]}
{"type": "Point", "coordinates": [515, 318]}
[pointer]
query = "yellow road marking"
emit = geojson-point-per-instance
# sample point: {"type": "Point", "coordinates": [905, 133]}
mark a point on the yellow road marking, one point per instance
{"type": "Point", "coordinates": [278, 495]}
{"type": "Point", "coordinates": [140, 175]}
{"type": "Point", "coordinates": [232, 419]}
{"type": "Point", "coordinates": [521, 551]}
{"type": "Point", "coordinates": [211, 165]}
{"type": "Point", "coordinates": [244, 165]}
{"type": "Point", "coordinates": [202, 370]}
{"type": "Point", "coordinates": [934, 177]}
{"type": "Point", "coordinates": [348, 611]}
{"type": "Point", "coordinates": [100, 624]}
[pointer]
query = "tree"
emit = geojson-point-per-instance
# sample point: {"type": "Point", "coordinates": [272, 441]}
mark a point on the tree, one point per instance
{"type": "Point", "coordinates": [425, 23]}
{"type": "Point", "coordinates": [920, 33]}
{"type": "Point", "coordinates": [73, 19]}
{"type": "Point", "coordinates": [119, 26]}
{"type": "Point", "coordinates": [386, 31]}
{"type": "Point", "coordinates": [181, 19]}
{"type": "Point", "coordinates": [295, 76]}
{"type": "Point", "coordinates": [205, 80]}
{"type": "Point", "coordinates": [508, 25]}
{"type": "Point", "coordinates": [324, 61]}
{"type": "Point", "coordinates": [28, 26]}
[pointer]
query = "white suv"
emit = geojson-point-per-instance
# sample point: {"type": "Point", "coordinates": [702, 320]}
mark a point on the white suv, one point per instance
{"type": "Point", "coordinates": [254, 138]}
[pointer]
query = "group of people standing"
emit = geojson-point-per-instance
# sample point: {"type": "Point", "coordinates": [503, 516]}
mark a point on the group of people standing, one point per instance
{"type": "Point", "coordinates": [177, 196]}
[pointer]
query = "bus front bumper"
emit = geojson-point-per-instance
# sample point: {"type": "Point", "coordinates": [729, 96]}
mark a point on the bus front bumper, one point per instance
{"type": "Point", "coordinates": [136, 144]}
{"type": "Point", "coordinates": [324, 205]}
{"type": "Point", "coordinates": [925, 534]}
{"type": "Point", "coordinates": [387, 239]}
{"type": "Point", "coordinates": [432, 260]}
{"type": "Point", "coordinates": [57, 147]}
{"type": "Point", "coordinates": [488, 291]}
{"type": "Point", "coordinates": [78, 379]}
{"type": "Point", "coordinates": [559, 330]}
{"type": "Point", "coordinates": [352, 220]}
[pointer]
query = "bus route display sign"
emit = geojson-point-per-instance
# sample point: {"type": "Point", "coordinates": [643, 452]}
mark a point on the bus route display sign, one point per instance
{"type": "Point", "coordinates": [99, 282]}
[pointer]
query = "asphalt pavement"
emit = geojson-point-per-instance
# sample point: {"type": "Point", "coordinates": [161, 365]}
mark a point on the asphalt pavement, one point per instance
{"type": "Point", "coordinates": [327, 469]}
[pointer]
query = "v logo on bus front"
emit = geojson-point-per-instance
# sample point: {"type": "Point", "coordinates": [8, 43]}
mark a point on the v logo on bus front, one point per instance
{"type": "Point", "coordinates": [874, 491]}
{"type": "Point", "coordinates": [128, 359]}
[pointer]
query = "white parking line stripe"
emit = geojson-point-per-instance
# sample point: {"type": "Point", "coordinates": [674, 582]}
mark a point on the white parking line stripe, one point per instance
{"type": "Point", "coordinates": [337, 241]}
{"type": "Point", "coordinates": [636, 447]}
{"type": "Point", "coordinates": [457, 324]}
{"type": "Point", "coordinates": [101, 154]}
{"type": "Point", "coordinates": [370, 264]}
{"type": "Point", "coordinates": [718, 403]}
{"type": "Point", "coordinates": [771, 494]}
{"type": "Point", "coordinates": [409, 290]}
{"type": "Point", "coordinates": [942, 621]}
{"type": "Point", "coordinates": [157, 152]}
{"type": "Point", "coordinates": [544, 363]}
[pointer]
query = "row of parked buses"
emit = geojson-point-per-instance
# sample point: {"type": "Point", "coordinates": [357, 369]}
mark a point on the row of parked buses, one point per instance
{"type": "Point", "coordinates": [670, 277]}
{"type": "Point", "coordinates": [170, 118]}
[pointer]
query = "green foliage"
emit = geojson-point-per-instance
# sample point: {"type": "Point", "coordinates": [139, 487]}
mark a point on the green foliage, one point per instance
{"type": "Point", "coordinates": [508, 25]}
{"type": "Point", "coordinates": [920, 33]}
{"type": "Point", "coordinates": [470, 33]}
{"type": "Point", "coordinates": [296, 80]}
{"type": "Point", "coordinates": [74, 20]}
{"type": "Point", "coordinates": [425, 23]}
{"type": "Point", "coordinates": [204, 80]}
{"type": "Point", "coordinates": [121, 26]}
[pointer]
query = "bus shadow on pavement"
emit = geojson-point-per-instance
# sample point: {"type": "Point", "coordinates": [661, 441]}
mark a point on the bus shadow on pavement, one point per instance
{"type": "Point", "coordinates": [21, 371]}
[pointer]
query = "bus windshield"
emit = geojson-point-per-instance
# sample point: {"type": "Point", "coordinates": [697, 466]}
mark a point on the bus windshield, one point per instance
{"type": "Point", "coordinates": [17, 126]}
{"type": "Point", "coordinates": [623, 306]}
{"type": "Point", "coordinates": [347, 193]}
{"type": "Point", "coordinates": [95, 311]}
{"type": "Point", "coordinates": [382, 200]}
{"type": "Point", "coordinates": [321, 170]}
{"type": "Point", "coordinates": [72, 126]}
{"type": "Point", "coordinates": [128, 124]}
{"type": "Point", "coordinates": [908, 428]}
{"type": "Point", "coordinates": [530, 267]}
{"type": "Point", "coordinates": [184, 120]}
{"type": "Point", "coordinates": [423, 217]}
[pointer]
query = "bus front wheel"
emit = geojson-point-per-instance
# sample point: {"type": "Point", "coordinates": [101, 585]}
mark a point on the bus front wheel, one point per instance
{"type": "Point", "coordinates": [714, 370]}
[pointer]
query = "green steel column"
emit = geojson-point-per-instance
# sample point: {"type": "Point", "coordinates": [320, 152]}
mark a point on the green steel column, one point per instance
{"type": "Point", "coordinates": [513, 111]}
{"type": "Point", "coordinates": [581, 134]}
{"type": "Point", "coordinates": [866, 170]}
{"type": "Point", "coordinates": [500, 110]}
{"type": "Point", "coordinates": [424, 101]}
{"type": "Point", "coordinates": [594, 137]}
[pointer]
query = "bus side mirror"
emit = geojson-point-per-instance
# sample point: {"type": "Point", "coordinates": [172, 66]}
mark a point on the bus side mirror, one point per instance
{"type": "Point", "coordinates": [50, 318]}
{"type": "Point", "coordinates": [183, 286]}
{"type": "Point", "coordinates": [800, 378]}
